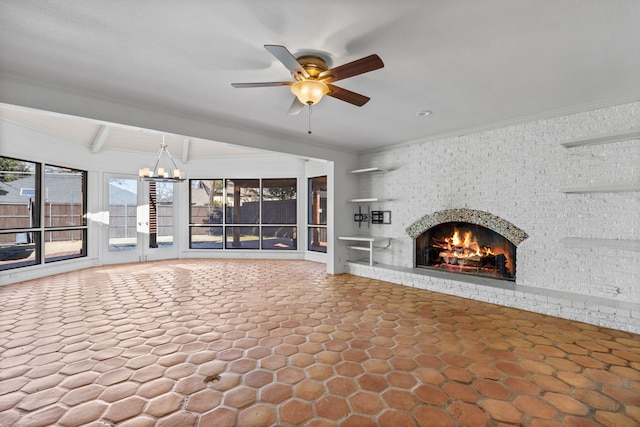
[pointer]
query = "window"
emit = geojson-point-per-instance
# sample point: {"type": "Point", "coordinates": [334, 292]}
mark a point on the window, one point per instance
{"type": "Point", "coordinates": [206, 208]}
{"type": "Point", "coordinates": [160, 214]}
{"type": "Point", "coordinates": [123, 217]}
{"type": "Point", "coordinates": [279, 210]}
{"type": "Point", "coordinates": [243, 238]}
{"type": "Point", "coordinates": [233, 214]}
{"type": "Point", "coordinates": [243, 201]}
{"type": "Point", "coordinates": [317, 218]}
{"type": "Point", "coordinates": [43, 215]}
{"type": "Point", "coordinates": [279, 201]}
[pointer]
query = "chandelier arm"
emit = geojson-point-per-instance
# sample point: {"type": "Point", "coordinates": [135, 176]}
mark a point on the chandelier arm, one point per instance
{"type": "Point", "coordinates": [154, 169]}
{"type": "Point", "coordinates": [171, 158]}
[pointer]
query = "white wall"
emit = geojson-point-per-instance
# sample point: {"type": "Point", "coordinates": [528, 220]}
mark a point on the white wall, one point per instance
{"type": "Point", "coordinates": [518, 173]}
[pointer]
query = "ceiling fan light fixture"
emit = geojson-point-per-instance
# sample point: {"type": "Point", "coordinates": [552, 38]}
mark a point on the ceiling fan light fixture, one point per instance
{"type": "Point", "coordinates": [309, 92]}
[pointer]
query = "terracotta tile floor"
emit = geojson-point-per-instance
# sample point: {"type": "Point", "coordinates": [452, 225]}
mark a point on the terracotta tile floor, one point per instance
{"type": "Point", "coordinates": [265, 343]}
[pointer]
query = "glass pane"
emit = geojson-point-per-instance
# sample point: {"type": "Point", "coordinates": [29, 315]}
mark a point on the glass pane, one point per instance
{"type": "Point", "coordinates": [243, 201]}
{"type": "Point", "coordinates": [318, 200]}
{"type": "Point", "coordinates": [205, 238]}
{"type": "Point", "coordinates": [160, 214]}
{"type": "Point", "coordinates": [19, 195]}
{"type": "Point", "coordinates": [123, 203]}
{"type": "Point", "coordinates": [279, 201]}
{"type": "Point", "coordinates": [206, 199]}
{"type": "Point", "coordinates": [64, 197]}
{"type": "Point", "coordinates": [18, 249]}
{"type": "Point", "coordinates": [279, 238]}
{"type": "Point", "coordinates": [64, 244]}
{"type": "Point", "coordinates": [243, 238]}
{"type": "Point", "coordinates": [317, 239]}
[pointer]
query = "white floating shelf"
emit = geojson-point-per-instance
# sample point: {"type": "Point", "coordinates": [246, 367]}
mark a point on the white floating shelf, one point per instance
{"type": "Point", "coordinates": [607, 188]}
{"type": "Point", "coordinates": [603, 139]}
{"type": "Point", "coordinates": [367, 200]}
{"type": "Point", "coordinates": [625, 245]}
{"type": "Point", "coordinates": [359, 248]}
{"type": "Point", "coordinates": [366, 170]}
{"type": "Point", "coordinates": [374, 239]}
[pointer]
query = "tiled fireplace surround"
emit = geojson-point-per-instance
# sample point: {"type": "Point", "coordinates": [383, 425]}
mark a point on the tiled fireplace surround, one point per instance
{"type": "Point", "coordinates": [579, 205]}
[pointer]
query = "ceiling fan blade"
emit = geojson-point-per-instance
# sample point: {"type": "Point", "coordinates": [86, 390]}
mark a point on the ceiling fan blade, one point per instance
{"type": "Point", "coordinates": [359, 66]}
{"type": "Point", "coordinates": [296, 107]}
{"type": "Point", "coordinates": [288, 60]}
{"type": "Point", "coordinates": [263, 84]}
{"type": "Point", "coordinates": [347, 96]}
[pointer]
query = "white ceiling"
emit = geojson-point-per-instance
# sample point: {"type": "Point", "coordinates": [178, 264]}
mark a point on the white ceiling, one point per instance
{"type": "Point", "coordinates": [475, 64]}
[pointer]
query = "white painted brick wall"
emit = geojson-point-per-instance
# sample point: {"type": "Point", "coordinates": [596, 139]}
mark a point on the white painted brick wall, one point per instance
{"type": "Point", "coordinates": [517, 173]}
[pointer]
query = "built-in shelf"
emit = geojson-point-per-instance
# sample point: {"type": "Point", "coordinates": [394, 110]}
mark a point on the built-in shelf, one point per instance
{"type": "Point", "coordinates": [625, 245]}
{"type": "Point", "coordinates": [366, 170]}
{"type": "Point", "coordinates": [360, 248]}
{"type": "Point", "coordinates": [367, 200]}
{"type": "Point", "coordinates": [369, 244]}
{"type": "Point", "coordinates": [606, 188]}
{"type": "Point", "coordinates": [603, 139]}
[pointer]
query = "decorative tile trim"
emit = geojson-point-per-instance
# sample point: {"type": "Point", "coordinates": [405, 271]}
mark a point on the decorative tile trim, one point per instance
{"type": "Point", "coordinates": [512, 233]}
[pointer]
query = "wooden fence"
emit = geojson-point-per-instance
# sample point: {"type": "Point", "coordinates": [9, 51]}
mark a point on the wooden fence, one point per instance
{"type": "Point", "coordinates": [23, 215]}
{"type": "Point", "coordinates": [273, 212]}
{"type": "Point", "coordinates": [123, 218]}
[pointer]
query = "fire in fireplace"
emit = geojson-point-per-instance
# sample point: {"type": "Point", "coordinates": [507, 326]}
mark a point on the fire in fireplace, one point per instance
{"type": "Point", "coordinates": [466, 248]}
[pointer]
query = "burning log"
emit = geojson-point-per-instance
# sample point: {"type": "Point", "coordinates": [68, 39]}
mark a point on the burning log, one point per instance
{"type": "Point", "coordinates": [459, 250]}
{"type": "Point", "coordinates": [453, 259]}
{"type": "Point", "coordinates": [462, 251]}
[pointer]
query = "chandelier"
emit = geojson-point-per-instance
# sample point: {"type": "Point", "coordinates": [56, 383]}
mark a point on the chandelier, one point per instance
{"type": "Point", "coordinates": [160, 174]}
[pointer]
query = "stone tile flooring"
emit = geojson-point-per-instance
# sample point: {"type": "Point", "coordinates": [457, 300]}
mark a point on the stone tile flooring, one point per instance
{"type": "Point", "coordinates": [281, 343]}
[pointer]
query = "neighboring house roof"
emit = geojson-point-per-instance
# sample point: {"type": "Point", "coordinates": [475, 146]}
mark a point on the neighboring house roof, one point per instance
{"type": "Point", "coordinates": [199, 197]}
{"type": "Point", "coordinates": [200, 193]}
{"type": "Point", "coordinates": [62, 188]}
{"type": "Point", "coordinates": [10, 191]}
{"type": "Point", "coordinates": [121, 196]}
{"type": "Point", "coordinates": [58, 188]}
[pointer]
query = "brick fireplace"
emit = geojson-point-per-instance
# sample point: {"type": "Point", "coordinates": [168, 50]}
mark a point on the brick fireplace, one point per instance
{"type": "Point", "coordinates": [577, 201]}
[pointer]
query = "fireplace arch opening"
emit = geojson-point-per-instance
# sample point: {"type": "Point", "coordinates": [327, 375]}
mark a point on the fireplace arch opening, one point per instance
{"type": "Point", "coordinates": [462, 247]}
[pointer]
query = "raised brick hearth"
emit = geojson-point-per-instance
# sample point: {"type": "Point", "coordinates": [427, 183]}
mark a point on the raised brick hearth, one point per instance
{"type": "Point", "coordinates": [594, 310]}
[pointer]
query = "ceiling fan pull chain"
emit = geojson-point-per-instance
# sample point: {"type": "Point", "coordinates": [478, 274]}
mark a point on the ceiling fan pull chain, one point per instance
{"type": "Point", "coordinates": [309, 119]}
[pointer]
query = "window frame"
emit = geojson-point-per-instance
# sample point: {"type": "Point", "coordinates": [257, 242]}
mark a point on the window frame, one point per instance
{"type": "Point", "coordinates": [319, 228]}
{"type": "Point", "coordinates": [42, 234]}
{"type": "Point", "coordinates": [222, 230]}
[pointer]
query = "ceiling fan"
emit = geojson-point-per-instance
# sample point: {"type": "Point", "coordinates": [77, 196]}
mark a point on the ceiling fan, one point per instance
{"type": "Point", "coordinates": [313, 78]}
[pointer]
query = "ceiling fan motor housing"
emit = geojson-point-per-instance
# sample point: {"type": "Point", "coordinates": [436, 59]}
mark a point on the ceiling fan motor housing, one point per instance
{"type": "Point", "coordinates": [313, 65]}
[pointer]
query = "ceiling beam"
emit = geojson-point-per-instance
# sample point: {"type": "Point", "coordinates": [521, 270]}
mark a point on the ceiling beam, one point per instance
{"type": "Point", "coordinates": [185, 150]}
{"type": "Point", "coordinates": [100, 138]}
